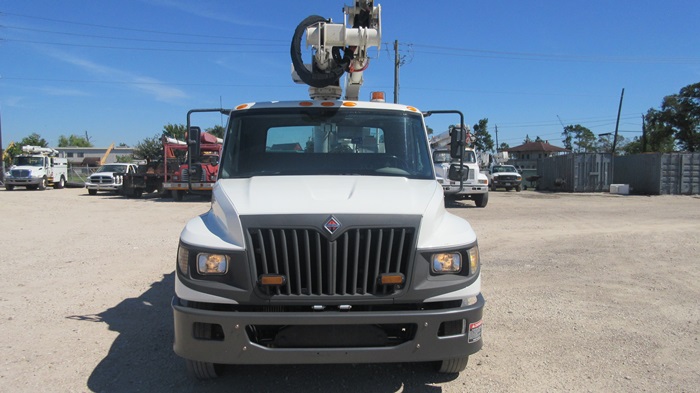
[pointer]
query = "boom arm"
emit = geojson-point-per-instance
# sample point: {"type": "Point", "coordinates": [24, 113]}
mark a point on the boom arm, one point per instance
{"type": "Point", "coordinates": [328, 40]}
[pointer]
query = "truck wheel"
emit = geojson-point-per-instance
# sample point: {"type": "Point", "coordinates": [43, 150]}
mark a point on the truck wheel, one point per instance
{"type": "Point", "coordinates": [137, 193]}
{"type": "Point", "coordinates": [9, 187]}
{"type": "Point", "coordinates": [453, 366]}
{"type": "Point", "coordinates": [481, 200]}
{"type": "Point", "coordinates": [517, 188]}
{"type": "Point", "coordinates": [204, 370]}
{"type": "Point", "coordinates": [61, 183]}
{"type": "Point", "coordinates": [42, 184]}
{"type": "Point", "coordinates": [32, 187]}
{"type": "Point", "coordinates": [509, 188]}
{"type": "Point", "coordinates": [92, 192]}
{"type": "Point", "coordinates": [177, 195]}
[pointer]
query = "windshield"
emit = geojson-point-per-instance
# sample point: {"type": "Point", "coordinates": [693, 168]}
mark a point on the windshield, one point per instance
{"type": "Point", "coordinates": [29, 161]}
{"type": "Point", "coordinates": [321, 141]}
{"type": "Point", "coordinates": [112, 168]}
{"type": "Point", "coordinates": [506, 168]}
{"type": "Point", "coordinates": [442, 156]}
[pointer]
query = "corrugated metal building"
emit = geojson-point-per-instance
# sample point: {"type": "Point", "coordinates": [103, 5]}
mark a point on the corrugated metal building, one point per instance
{"type": "Point", "coordinates": [650, 174]}
{"type": "Point", "coordinates": [660, 173]}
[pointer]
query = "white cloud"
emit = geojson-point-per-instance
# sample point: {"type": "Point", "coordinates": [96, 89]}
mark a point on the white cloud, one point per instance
{"type": "Point", "coordinates": [151, 86]}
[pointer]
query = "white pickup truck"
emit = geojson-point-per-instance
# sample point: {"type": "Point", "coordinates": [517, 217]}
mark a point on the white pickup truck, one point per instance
{"type": "Point", "coordinates": [109, 177]}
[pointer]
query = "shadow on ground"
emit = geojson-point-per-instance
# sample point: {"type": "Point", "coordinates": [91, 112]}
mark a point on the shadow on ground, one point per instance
{"type": "Point", "coordinates": [141, 359]}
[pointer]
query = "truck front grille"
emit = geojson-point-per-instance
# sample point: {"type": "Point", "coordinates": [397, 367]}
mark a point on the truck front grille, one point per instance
{"type": "Point", "coordinates": [506, 177]}
{"type": "Point", "coordinates": [198, 174]}
{"type": "Point", "coordinates": [453, 174]}
{"type": "Point", "coordinates": [315, 265]}
{"type": "Point", "coordinates": [20, 173]}
{"type": "Point", "coordinates": [101, 179]}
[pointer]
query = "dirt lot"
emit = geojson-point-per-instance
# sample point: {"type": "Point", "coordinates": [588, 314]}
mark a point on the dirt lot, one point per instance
{"type": "Point", "coordinates": [584, 293]}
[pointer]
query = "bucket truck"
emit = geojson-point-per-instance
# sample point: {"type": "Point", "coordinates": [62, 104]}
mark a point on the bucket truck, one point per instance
{"type": "Point", "coordinates": [328, 240]}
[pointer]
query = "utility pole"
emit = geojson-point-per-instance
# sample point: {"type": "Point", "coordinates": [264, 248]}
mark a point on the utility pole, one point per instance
{"type": "Point", "coordinates": [644, 134]}
{"type": "Point", "coordinates": [2, 156]}
{"type": "Point", "coordinates": [497, 146]}
{"type": "Point", "coordinates": [617, 124]}
{"type": "Point", "coordinates": [397, 64]}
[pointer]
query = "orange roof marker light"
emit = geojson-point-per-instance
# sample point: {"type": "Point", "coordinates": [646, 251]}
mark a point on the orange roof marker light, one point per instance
{"type": "Point", "coordinates": [377, 96]}
{"type": "Point", "coordinates": [349, 103]}
{"type": "Point", "coordinates": [327, 103]}
{"type": "Point", "coordinates": [242, 106]}
{"type": "Point", "coordinates": [306, 103]}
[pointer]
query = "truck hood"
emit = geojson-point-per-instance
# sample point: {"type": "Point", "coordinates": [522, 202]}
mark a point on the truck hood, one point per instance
{"type": "Point", "coordinates": [327, 194]}
{"type": "Point", "coordinates": [220, 228]}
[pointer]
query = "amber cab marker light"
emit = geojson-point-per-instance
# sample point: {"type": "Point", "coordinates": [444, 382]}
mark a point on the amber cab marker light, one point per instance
{"type": "Point", "coordinates": [391, 279]}
{"type": "Point", "coordinates": [272, 279]}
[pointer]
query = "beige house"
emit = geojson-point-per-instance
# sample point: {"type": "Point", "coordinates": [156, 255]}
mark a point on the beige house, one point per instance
{"type": "Point", "coordinates": [92, 155]}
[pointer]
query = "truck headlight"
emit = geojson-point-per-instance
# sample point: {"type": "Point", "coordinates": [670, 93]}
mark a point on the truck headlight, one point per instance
{"type": "Point", "coordinates": [519, 177]}
{"type": "Point", "coordinates": [212, 263]}
{"type": "Point", "coordinates": [447, 262]}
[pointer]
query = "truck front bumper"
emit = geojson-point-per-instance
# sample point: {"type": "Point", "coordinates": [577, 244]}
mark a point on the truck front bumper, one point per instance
{"type": "Point", "coordinates": [452, 187]}
{"type": "Point", "coordinates": [23, 181]}
{"type": "Point", "coordinates": [197, 186]}
{"type": "Point", "coordinates": [103, 187]}
{"type": "Point", "coordinates": [433, 337]}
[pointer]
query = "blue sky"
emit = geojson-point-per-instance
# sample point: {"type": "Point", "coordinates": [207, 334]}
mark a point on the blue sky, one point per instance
{"type": "Point", "coordinates": [121, 70]}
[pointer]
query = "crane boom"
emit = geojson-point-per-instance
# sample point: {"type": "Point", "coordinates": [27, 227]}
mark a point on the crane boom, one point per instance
{"type": "Point", "coordinates": [337, 49]}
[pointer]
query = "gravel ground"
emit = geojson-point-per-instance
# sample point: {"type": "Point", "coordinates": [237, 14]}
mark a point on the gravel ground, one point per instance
{"type": "Point", "coordinates": [585, 292]}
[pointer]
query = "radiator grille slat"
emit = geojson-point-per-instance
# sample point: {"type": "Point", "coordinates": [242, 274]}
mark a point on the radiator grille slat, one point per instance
{"type": "Point", "coordinates": [314, 265]}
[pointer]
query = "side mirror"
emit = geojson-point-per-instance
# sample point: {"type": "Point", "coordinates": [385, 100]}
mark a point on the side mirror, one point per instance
{"type": "Point", "coordinates": [456, 142]}
{"type": "Point", "coordinates": [193, 142]}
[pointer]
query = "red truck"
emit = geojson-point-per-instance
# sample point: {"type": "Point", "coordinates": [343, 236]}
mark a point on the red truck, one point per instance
{"type": "Point", "coordinates": [200, 176]}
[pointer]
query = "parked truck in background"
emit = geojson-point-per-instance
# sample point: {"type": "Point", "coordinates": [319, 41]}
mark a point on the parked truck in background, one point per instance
{"type": "Point", "coordinates": [328, 240]}
{"type": "Point", "coordinates": [37, 168]}
{"type": "Point", "coordinates": [109, 177]}
{"type": "Point", "coordinates": [459, 180]}
{"type": "Point", "coordinates": [196, 174]}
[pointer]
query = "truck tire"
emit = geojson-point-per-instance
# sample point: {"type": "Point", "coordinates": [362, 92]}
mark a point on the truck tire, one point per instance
{"type": "Point", "coordinates": [481, 200]}
{"type": "Point", "coordinates": [204, 370]}
{"type": "Point", "coordinates": [137, 193]}
{"type": "Point", "coordinates": [61, 183]}
{"type": "Point", "coordinates": [9, 187]}
{"type": "Point", "coordinates": [177, 195]}
{"type": "Point", "coordinates": [453, 366]}
{"type": "Point", "coordinates": [92, 192]}
{"type": "Point", "coordinates": [43, 184]}
{"type": "Point", "coordinates": [518, 188]}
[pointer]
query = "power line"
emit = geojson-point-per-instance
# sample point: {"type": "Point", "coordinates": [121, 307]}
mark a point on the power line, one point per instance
{"type": "Point", "coordinates": [137, 30]}
{"type": "Point", "coordinates": [140, 39]}
{"type": "Point", "coordinates": [139, 48]}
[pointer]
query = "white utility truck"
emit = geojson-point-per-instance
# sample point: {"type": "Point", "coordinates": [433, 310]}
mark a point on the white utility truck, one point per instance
{"type": "Point", "coordinates": [459, 180]}
{"type": "Point", "coordinates": [327, 240]}
{"type": "Point", "coordinates": [37, 168]}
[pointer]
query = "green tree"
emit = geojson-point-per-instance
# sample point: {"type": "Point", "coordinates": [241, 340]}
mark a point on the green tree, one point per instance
{"type": "Point", "coordinates": [527, 139]}
{"type": "Point", "coordinates": [74, 141]}
{"type": "Point", "coordinates": [678, 118]}
{"type": "Point", "coordinates": [430, 130]}
{"type": "Point", "coordinates": [33, 139]}
{"type": "Point", "coordinates": [217, 131]}
{"type": "Point", "coordinates": [583, 139]}
{"type": "Point", "coordinates": [504, 146]}
{"type": "Point", "coordinates": [605, 142]}
{"type": "Point", "coordinates": [149, 149]}
{"type": "Point", "coordinates": [538, 139]}
{"type": "Point", "coordinates": [125, 159]}
{"type": "Point", "coordinates": [481, 138]}
{"type": "Point", "coordinates": [176, 131]}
